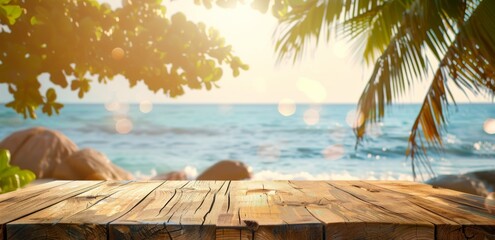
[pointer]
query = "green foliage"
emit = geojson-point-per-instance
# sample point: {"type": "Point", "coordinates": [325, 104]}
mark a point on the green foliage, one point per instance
{"type": "Point", "coordinates": [11, 177]}
{"type": "Point", "coordinates": [402, 39]}
{"type": "Point", "coordinates": [9, 12]}
{"type": "Point", "coordinates": [75, 41]}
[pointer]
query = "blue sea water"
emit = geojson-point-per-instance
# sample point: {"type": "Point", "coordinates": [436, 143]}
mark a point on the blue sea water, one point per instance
{"type": "Point", "coordinates": [193, 137]}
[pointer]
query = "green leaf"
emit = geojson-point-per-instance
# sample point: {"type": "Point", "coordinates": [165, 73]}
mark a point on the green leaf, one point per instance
{"type": "Point", "coordinates": [12, 177]}
{"type": "Point", "coordinates": [261, 5]}
{"type": "Point", "coordinates": [51, 95]}
{"type": "Point", "coordinates": [4, 159]}
{"type": "Point", "coordinates": [12, 12]}
{"type": "Point", "coordinates": [35, 21]}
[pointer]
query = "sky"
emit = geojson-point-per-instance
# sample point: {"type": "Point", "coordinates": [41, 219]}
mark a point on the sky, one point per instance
{"type": "Point", "coordinates": [326, 75]}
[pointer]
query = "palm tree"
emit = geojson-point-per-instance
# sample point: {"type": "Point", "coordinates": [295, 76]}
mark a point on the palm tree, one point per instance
{"type": "Point", "coordinates": [450, 43]}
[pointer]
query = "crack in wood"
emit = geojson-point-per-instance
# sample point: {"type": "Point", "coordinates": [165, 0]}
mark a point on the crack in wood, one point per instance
{"type": "Point", "coordinates": [213, 201]}
{"type": "Point", "coordinates": [175, 204]}
{"type": "Point", "coordinates": [228, 202]}
{"type": "Point", "coordinates": [202, 201]}
{"type": "Point", "coordinates": [170, 199]}
{"type": "Point", "coordinates": [227, 190]}
{"type": "Point", "coordinates": [137, 204]}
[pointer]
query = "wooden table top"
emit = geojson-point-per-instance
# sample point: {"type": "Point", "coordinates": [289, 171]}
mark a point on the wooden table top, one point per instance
{"type": "Point", "coordinates": [243, 210]}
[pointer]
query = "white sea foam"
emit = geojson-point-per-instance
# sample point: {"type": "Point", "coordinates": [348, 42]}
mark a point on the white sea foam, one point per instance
{"type": "Point", "coordinates": [145, 176]}
{"type": "Point", "coordinates": [344, 175]}
{"type": "Point", "coordinates": [191, 172]}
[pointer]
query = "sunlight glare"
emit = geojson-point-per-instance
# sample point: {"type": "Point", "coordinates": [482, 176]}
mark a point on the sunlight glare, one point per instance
{"type": "Point", "coordinates": [313, 89]}
{"type": "Point", "coordinates": [286, 107]}
{"type": "Point", "coordinates": [259, 85]}
{"type": "Point", "coordinates": [145, 106]}
{"type": "Point", "coordinates": [340, 49]}
{"type": "Point", "coordinates": [311, 117]}
{"type": "Point", "coordinates": [489, 126]}
{"type": "Point", "coordinates": [123, 126]}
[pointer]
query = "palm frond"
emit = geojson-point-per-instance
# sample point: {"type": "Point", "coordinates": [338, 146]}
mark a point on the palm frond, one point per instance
{"type": "Point", "coordinates": [303, 25]}
{"type": "Point", "coordinates": [469, 64]}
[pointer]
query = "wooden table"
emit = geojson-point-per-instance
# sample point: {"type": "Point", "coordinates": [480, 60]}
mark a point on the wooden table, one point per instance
{"type": "Point", "coordinates": [243, 210]}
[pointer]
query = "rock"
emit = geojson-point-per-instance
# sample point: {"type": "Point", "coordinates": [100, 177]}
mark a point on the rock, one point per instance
{"type": "Point", "coordinates": [487, 177]}
{"type": "Point", "coordinates": [226, 170]}
{"type": "Point", "coordinates": [89, 164]}
{"type": "Point", "coordinates": [175, 175]}
{"type": "Point", "coordinates": [39, 150]}
{"type": "Point", "coordinates": [478, 183]}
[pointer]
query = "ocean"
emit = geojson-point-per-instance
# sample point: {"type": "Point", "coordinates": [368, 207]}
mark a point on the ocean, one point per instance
{"type": "Point", "coordinates": [316, 142]}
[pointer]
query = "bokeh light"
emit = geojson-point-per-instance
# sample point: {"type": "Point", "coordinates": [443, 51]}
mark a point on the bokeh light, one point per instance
{"type": "Point", "coordinates": [354, 119]}
{"type": "Point", "coordinates": [118, 53]}
{"type": "Point", "coordinates": [311, 117]}
{"type": "Point", "coordinates": [269, 152]}
{"type": "Point", "coordinates": [145, 106]}
{"type": "Point", "coordinates": [489, 126]}
{"type": "Point", "coordinates": [333, 152]}
{"type": "Point", "coordinates": [286, 107]}
{"type": "Point", "coordinates": [490, 202]}
{"type": "Point", "coordinates": [337, 133]}
{"type": "Point", "coordinates": [225, 108]}
{"type": "Point", "coordinates": [112, 106]}
{"type": "Point", "coordinates": [313, 89]}
{"type": "Point", "coordinates": [123, 126]}
{"type": "Point", "coordinates": [374, 129]}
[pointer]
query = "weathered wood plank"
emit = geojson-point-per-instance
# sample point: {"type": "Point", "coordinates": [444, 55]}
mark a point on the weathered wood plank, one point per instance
{"type": "Point", "coordinates": [229, 223]}
{"type": "Point", "coordinates": [347, 216]}
{"type": "Point", "coordinates": [84, 216]}
{"type": "Point", "coordinates": [451, 198]}
{"type": "Point", "coordinates": [28, 192]}
{"type": "Point", "coordinates": [175, 210]}
{"type": "Point", "coordinates": [19, 205]}
{"type": "Point", "coordinates": [258, 206]}
{"type": "Point", "coordinates": [472, 220]}
{"type": "Point", "coordinates": [243, 210]}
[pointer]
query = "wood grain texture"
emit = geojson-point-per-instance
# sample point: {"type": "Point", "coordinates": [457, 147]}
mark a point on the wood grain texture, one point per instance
{"type": "Point", "coordinates": [9, 198]}
{"type": "Point", "coordinates": [349, 215]}
{"type": "Point", "coordinates": [258, 207]}
{"type": "Point", "coordinates": [471, 218]}
{"type": "Point", "coordinates": [21, 204]}
{"type": "Point", "coordinates": [83, 216]}
{"type": "Point", "coordinates": [175, 210]}
{"type": "Point", "coordinates": [242, 210]}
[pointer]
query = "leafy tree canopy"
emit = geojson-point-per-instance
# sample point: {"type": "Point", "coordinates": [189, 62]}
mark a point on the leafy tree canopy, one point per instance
{"type": "Point", "coordinates": [75, 41]}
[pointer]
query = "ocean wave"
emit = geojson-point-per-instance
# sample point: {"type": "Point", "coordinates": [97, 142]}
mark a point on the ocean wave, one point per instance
{"type": "Point", "coordinates": [149, 130]}
{"type": "Point", "coordinates": [343, 175]}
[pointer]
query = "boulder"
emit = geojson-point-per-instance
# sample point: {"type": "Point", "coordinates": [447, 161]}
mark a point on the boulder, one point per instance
{"type": "Point", "coordinates": [478, 183]}
{"type": "Point", "coordinates": [89, 164]}
{"type": "Point", "coordinates": [39, 150]}
{"type": "Point", "coordinates": [175, 175]}
{"type": "Point", "coordinates": [226, 170]}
